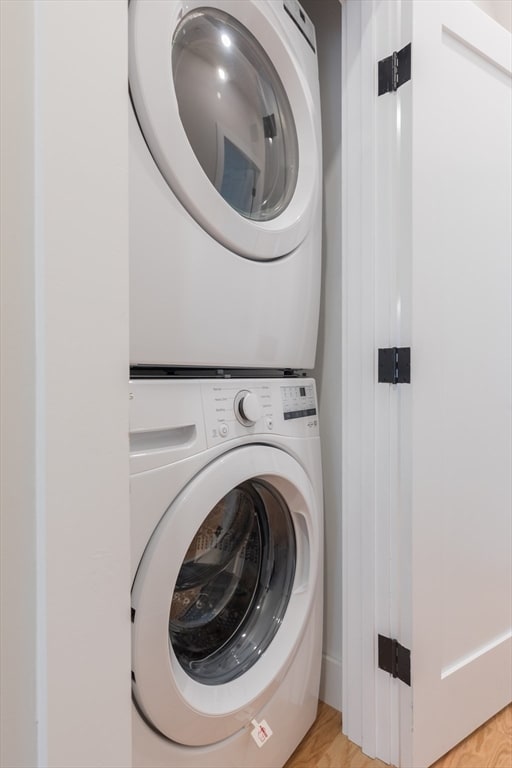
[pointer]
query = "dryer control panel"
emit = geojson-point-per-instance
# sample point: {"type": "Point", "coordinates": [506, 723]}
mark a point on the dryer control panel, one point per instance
{"type": "Point", "coordinates": [235, 408]}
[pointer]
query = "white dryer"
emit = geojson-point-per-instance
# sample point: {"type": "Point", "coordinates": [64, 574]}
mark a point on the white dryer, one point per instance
{"type": "Point", "coordinates": [225, 184]}
{"type": "Point", "coordinates": [226, 494]}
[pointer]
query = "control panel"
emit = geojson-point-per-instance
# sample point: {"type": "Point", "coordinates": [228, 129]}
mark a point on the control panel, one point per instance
{"type": "Point", "coordinates": [237, 408]}
{"type": "Point", "coordinates": [299, 401]}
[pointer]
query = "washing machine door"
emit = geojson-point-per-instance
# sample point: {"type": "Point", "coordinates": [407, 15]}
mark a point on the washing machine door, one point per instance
{"type": "Point", "coordinates": [222, 595]}
{"type": "Point", "coordinates": [228, 117]}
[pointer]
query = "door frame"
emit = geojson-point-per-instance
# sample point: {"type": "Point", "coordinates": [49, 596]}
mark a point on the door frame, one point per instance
{"type": "Point", "coordinates": [358, 344]}
{"type": "Point", "coordinates": [375, 314]}
{"type": "Point", "coordinates": [64, 526]}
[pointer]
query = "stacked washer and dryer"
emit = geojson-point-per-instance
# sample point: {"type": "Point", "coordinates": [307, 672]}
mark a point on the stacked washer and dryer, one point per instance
{"type": "Point", "coordinates": [226, 480]}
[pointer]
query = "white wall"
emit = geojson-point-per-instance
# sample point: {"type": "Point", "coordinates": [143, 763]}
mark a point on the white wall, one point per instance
{"type": "Point", "coordinates": [326, 17]}
{"type": "Point", "coordinates": [18, 742]}
{"type": "Point", "coordinates": [64, 368]}
{"type": "Point", "coordinates": [500, 10]}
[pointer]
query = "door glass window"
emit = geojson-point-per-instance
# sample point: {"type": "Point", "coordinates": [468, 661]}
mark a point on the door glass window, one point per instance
{"type": "Point", "coordinates": [235, 113]}
{"type": "Point", "coordinates": [234, 584]}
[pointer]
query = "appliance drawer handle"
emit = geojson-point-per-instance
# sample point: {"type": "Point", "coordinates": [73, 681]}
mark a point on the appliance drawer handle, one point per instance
{"type": "Point", "coordinates": [162, 439]}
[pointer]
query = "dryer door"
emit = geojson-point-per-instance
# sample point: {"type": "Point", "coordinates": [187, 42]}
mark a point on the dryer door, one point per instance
{"type": "Point", "coordinates": [222, 594]}
{"type": "Point", "coordinates": [228, 122]}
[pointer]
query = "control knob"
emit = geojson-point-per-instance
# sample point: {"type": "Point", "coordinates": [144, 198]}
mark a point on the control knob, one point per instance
{"type": "Point", "coordinates": [248, 408]}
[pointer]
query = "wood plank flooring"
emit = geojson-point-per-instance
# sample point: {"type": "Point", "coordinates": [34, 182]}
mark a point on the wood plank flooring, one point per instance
{"type": "Point", "coordinates": [325, 747]}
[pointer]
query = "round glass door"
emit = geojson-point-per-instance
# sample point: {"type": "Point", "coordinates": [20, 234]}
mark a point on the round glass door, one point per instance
{"type": "Point", "coordinates": [235, 113]}
{"type": "Point", "coordinates": [234, 584]}
{"type": "Point", "coordinates": [229, 118]}
{"type": "Point", "coordinates": [223, 592]}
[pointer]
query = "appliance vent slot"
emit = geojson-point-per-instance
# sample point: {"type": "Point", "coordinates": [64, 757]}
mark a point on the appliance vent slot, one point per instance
{"type": "Point", "coordinates": [303, 23]}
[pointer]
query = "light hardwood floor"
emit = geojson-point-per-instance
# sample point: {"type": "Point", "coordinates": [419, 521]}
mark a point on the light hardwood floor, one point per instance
{"type": "Point", "coordinates": [325, 747]}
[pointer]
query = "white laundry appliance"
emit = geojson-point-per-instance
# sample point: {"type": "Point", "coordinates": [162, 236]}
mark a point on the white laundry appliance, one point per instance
{"type": "Point", "coordinates": [227, 559]}
{"type": "Point", "coordinates": [225, 184]}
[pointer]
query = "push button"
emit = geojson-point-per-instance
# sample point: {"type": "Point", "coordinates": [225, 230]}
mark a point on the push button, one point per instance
{"type": "Point", "coordinates": [223, 430]}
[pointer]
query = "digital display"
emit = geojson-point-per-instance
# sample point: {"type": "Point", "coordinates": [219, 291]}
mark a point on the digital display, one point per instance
{"type": "Point", "coordinates": [298, 402]}
{"type": "Point", "coordinates": [299, 414]}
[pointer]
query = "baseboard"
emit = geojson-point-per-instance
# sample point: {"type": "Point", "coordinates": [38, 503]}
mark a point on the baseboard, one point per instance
{"type": "Point", "coordinates": [330, 682]}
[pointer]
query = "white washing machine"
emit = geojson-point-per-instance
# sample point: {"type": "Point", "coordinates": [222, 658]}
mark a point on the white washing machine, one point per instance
{"type": "Point", "coordinates": [226, 495]}
{"type": "Point", "coordinates": [225, 184]}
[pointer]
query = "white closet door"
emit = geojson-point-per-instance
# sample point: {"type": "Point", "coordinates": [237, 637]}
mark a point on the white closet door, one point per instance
{"type": "Point", "coordinates": [456, 419]}
{"type": "Point", "coordinates": [427, 475]}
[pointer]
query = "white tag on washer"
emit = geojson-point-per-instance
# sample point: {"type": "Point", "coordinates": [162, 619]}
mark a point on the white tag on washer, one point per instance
{"type": "Point", "coordinates": [261, 732]}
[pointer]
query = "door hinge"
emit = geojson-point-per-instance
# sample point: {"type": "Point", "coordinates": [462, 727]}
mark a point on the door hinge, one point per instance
{"type": "Point", "coordinates": [395, 365]}
{"type": "Point", "coordinates": [395, 659]}
{"type": "Point", "coordinates": [395, 70]}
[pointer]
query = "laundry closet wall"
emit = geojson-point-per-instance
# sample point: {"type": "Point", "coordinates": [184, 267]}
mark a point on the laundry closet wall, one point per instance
{"type": "Point", "coordinates": [64, 590]}
{"type": "Point", "coordinates": [499, 10]}
{"type": "Point", "coordinates": [326, 17]}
